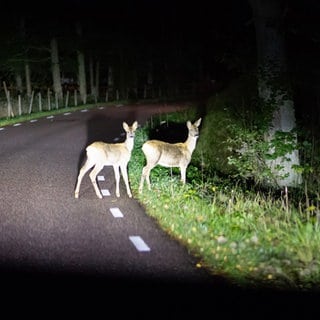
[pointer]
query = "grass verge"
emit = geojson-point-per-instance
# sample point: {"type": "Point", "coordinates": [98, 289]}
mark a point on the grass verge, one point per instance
{"type": "Point", "coordinates": [250, 237]}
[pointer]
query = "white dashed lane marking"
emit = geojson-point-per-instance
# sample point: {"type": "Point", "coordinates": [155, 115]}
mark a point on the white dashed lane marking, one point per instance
{"type": "Point", "coordinates": [139, 243]}
{"type": "Point", "coordinates": [116, 212]}
{"type": "Point", "coordinates": [105, 192]}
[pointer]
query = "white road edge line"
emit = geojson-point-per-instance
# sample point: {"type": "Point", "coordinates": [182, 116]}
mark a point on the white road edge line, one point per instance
{"type": "Point", "coordinates": [101, 178]}
{"type": "Point", "coordinates": [139, 243]}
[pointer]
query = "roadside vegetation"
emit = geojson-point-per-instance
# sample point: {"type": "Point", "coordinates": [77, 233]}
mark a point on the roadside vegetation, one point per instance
{"type": "Point", "coordinates": [255, 235]}
{"type": "Point", "coordinates": [5, 121]}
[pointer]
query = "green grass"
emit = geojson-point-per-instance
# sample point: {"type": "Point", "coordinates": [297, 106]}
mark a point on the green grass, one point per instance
{"type": "Point", "coordinates": [36, 115]}
{"type": "Point", "coordinates": [251, 238]}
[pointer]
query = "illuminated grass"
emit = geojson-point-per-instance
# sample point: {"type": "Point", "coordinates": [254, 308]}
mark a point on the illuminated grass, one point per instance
{"type": "Point", "coordinates": [250, 238]}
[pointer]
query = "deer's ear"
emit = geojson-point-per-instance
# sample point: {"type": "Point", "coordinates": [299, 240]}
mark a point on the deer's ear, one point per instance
{"type": "Point", "coordinates": [135, 125]}
{"type": "Point", "coordinates": [189, 125]}
{"type": "Point", "coordinates": [125, 126]}
{"type": "Point", "coordinates": [198, 122]}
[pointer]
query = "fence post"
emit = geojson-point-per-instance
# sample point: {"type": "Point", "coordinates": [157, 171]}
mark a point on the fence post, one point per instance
{"type": "Point", "coordinates": [40, 102]}
{"type": "Point", "coordinates": [56, 100]}
{"type": "Point", "coordinates": [67, 99]}
{"type": "Point", "coordinates": [10, 112]}
{"type": "Point", "coordinates": [49, 101]}
{"type": "Point", "coordinates": [19, 104]}
{"type": "Point", "coordinates": [31, 102]}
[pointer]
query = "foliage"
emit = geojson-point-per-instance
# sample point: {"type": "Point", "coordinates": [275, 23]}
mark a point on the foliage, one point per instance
{"type": "Point", "coordinates": [254, 238]}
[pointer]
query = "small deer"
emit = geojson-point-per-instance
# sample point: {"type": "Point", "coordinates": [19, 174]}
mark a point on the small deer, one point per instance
{"type": "Point", "coordinates": [169, 154]}
{"type": "Point", "coordinates": [100, 154]}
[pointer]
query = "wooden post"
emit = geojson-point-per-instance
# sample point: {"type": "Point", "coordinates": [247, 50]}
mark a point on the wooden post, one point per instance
{"type": "Point", "coordinates": [56, 100]}
{"type": "Point", "coordinates": [31, 102]}
{"type": "Point", "coordinates": [10, 112]}
{"type": "Point", "coordinates": [75, 98]}
{"type": "Point", "coordinates": [49, 100]}
{"type": "Point", "coordinates": [40, 101]}
{"type": "Point", "coordinates": [19, 105]}
{"type": "Point", "coordinates": [67, 99]}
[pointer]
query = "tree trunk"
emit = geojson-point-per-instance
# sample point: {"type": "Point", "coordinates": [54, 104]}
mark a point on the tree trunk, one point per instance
{"type": "Point", "coordinates": [97, 80]}
{"type": "Point", "coordinates": [110, 89]}
{"type": "Point", "coordinates": [91, 75]}
{"type": "Point", "coordinates": [274, 91]}
{"type": "Point", "coordinates": [19, 82]}
{"type": "Point", "coordinates": [57, 88]}
{"type": "Point", "coordinates": [28, 78]}
{"type": "Point", "coordinates": [82, 77]}
{"type": "Point", "coordinates": [81, 68]}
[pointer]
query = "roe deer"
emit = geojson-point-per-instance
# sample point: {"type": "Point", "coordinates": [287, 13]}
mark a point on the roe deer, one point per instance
{"type": "Point", "coordinates": [100, 154]}
{"type": "Point", "coordinates": [169, 154]}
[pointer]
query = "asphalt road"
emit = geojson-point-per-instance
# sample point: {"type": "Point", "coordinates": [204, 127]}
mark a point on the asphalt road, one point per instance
{"type": "Point", "coordinates": [54, 245]}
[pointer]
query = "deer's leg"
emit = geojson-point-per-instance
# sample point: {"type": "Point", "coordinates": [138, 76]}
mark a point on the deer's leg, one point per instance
{"type": "Point", "coordinates": [141, 181]}
{"type": "Point", "coordinates": [183, 174]}
{"type": "Point", "coordinates": [141, 184]}
{"type": "Point", "coordinates": [88, 164]}
{"type": "Point", "coordinates": [124, 172]}
{"type": "Point", "coordinates": [93, 175]}
{"type": "Point", "coordinates": [117, 177]}
{"type": "Point", "coordinates": [148, 169]}
{"type": "Point", "coordinates": [143, 177]}
{"type": "Point", "coordinates": [146, 176]}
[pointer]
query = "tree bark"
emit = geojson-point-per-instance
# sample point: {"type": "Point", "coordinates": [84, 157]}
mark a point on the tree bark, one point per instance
{"type": "Point", "coordinates": [97, 80]}
{"type": "Point", "coordinates": [91, 74]}
{"type": "Point", "coordinates": [82, 77]}
{"type": "Point", "coordinates": [28, 78]}
{"type": "Point", "coordinates": [56, 77]}
{"type": "Point", "coordinates": [19, 82]}
{"type": "Point", "coordinates": [274, 89]}
{"type": "Point", "coordinates": [81, 68]}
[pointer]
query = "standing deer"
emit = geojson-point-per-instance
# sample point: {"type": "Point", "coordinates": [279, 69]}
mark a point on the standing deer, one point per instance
{"type": "Point", "coordinates": [169, 154]}
{"type": "Point", "coordinates": [100, 154]}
